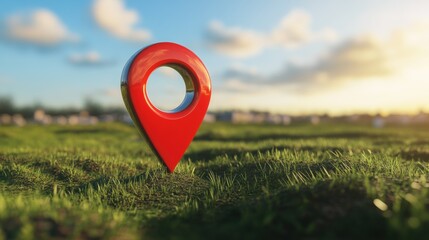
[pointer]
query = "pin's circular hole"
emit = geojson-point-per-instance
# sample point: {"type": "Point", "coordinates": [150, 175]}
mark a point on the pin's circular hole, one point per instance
{"type": "Point", "coordinates": [170, 88]}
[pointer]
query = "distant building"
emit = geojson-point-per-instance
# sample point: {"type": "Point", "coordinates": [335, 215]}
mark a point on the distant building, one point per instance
{"type": "Point", "coordinates": [258, 117]}
{"type": "Point", "coordinates": [39, 116]}
{"type": "Point", "coordinates": [253, 117]}
{"type": "Point", "coordinates": [234, 117]}
{"type": "Point", "coordinates": [82, 119]}
{"type": "Point", "coordinates": [209, 117]}
{"type": "Point", "coordinates": [60, 120]}
{"type": "Point", "coordinates": [378, 122]}
{"type": "Point", "coordinates": [398, 119]}
{"type": "Point", "coordinates": [315, 120]}
{"type": "Point", "coordinates": [18, 120]}
{"type": "Point", "coordinates": [126, 118]}
{"type": "Point", "coordinates": [108, 118]}
{"type": "Point", "coordinates": [5, 119]}
{"type": "Point", "coordinates": [240, 117]}
{"type": "Point", "coordinates": [279, 119]}
{"type": "Point", "coordinates": [422, 117]}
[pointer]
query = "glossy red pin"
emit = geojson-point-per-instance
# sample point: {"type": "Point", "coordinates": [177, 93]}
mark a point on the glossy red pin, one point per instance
{"type": "Point", "coordinates": [168, 133]}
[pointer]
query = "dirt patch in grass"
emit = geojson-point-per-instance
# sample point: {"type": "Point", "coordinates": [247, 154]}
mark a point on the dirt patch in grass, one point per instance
{"type": "Point", "coordinates": [420, 143]}
{"type": "Point", "coordinates": [415, 155]}
{"type": "Point", "coordinates": [47, 227]}
{"type": "Point", "coordinates": [88, 165]}
{"type": "Point", "coordinates": [388, 142]}
{"type": "Point", "coordinates": [321, 211]}
{"type": "Point", "coordinates": [17, 158]}
{"type": "Point", "coordinates": [10, 227]}
{"type": "Point", "coordinates": [80, 131]}
{"type": "Point", "coordinates": [65, 227]}
{"type": "Point", "coordinates": [210, 154]}
{"type": "Point", "coordinates": [4, 135]}
{"type": "Point", "coordinates": [211, 136]}
{"type": "Point", "coordinates": [168, 191]}
{"type": "Point", "coordinates": [157, 190]}
{"type": "Point", "coordinates": [66, 174]}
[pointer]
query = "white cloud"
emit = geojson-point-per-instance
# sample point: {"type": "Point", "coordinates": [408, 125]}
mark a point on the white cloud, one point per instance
{"type": "Point", "coordinates": [40, 27]}
{"type": "Point", "coordinates": [234, 41]}
{"type": "Point", "coordinates": [89, 58]}
{"type": "Point", "coordinates": [111, 92]}
{"type": "Point", "coordinates": [168, 72]}
{"type": "Point", "coordinates": [293, 31]}
{"type": "Point", "coordinates": [109, 96]}
{"type": "Point", "coordinates": [112, 16]}
{"type": "Point", "coordinates": [327, 35]}
{"type": "Point", "coordinates": [361, 58]}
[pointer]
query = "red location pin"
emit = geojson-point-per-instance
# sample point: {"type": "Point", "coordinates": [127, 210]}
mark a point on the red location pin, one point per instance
{"type": "Point", "coordinates": [168, 133]}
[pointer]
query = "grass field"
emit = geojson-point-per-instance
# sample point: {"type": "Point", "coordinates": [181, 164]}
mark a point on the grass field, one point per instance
{"type": "Point", "coordinates": [235, 181]}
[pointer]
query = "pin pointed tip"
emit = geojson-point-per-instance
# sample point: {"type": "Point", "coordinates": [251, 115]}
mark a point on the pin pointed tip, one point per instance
{"type": "Point", "coordinates": [171, 168]}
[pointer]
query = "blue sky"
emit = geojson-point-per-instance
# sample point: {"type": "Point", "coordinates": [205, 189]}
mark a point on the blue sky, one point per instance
{"type": "Point", "coordinates": [282, 56]}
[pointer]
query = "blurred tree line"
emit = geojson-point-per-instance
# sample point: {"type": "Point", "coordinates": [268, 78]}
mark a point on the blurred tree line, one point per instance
{"type": "Point", "coordinates": [94, 108]}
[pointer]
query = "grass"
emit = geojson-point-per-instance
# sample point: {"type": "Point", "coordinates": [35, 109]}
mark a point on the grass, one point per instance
{"type": "Point", "coordinates": [235, 181]}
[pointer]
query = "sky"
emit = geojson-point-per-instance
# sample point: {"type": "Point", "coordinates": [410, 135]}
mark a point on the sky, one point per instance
{"type": "Point", "coordinates": [297, 57]}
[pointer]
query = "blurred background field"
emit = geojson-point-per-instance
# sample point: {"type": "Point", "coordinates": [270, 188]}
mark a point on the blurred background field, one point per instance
{"type": "Point", "coordinates": [235, 181]}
